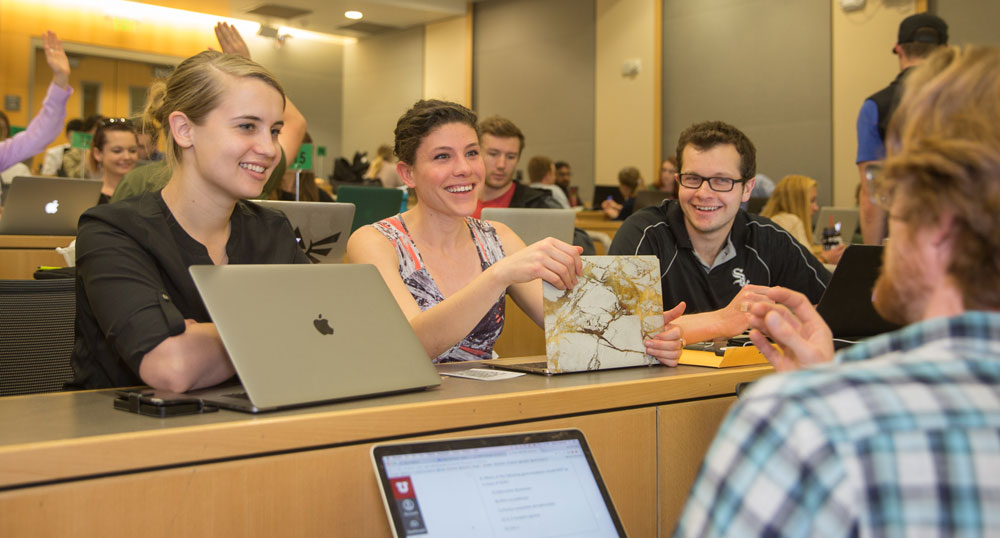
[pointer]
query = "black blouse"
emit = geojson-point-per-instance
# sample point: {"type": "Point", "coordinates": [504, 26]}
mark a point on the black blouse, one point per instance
{"type": "Point", "coordinates": [133, 289]}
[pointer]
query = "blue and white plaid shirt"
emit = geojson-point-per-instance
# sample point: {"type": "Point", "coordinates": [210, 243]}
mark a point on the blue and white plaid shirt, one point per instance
{"type": "Point", "coordinates": [903, 441]}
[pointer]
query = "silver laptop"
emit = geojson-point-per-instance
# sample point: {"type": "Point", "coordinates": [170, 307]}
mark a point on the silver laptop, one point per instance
{"type": "Point", "coordinates": [603, 322]}
{"type": "Point", "coordinates": [845, 221]}
{"type": "Point", "coordinates": [533, 225]}
{"type": "Point", "coordinates": [47, 205]}
{"type": "Point", "coordinates": [309, 333]}
{"type": "Point", "coordinates": [528, 485]}
{"type": "Point", "coordinates": [321, 228]}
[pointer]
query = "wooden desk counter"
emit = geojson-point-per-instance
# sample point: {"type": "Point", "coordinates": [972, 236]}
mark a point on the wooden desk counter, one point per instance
{"type": "Point", "coordinates": [20, 255]}
{"type": "Point", "coordinates": [70, 464]}
{"type": "Point", "coordinates": [597, 221]}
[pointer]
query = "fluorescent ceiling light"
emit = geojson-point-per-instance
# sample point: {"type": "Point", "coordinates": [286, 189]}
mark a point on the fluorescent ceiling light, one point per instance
{"type": "Point", "coordinates": [353, 15]}
{"type": "Point", "coordinates": [158, 15]}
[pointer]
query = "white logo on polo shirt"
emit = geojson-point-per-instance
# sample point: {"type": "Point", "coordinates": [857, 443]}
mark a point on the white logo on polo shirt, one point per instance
{"type": "Point", "coordinates": [739, 278]}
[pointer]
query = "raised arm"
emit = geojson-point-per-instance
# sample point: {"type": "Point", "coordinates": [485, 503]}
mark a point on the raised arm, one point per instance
{"type": "Point", "coordinates": [294, 130]}
{"type": "Point", "coordinates": [442, 326]}
{"type": "Point", "coordinates": [48, 123]}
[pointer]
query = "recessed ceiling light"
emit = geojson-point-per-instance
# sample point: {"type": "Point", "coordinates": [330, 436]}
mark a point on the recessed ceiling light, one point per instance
{"type": "Point", "coordinates": [354, 15]}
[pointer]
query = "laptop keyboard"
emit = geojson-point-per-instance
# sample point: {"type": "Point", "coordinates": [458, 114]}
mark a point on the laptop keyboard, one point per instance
{"type": "Point", "coordinates": [538, 365]}
{"type": "Point", "coordinates": [240, 395]}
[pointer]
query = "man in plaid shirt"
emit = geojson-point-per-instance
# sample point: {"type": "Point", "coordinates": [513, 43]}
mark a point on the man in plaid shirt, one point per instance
{"type": "Point", "coordinates": [900, 435]}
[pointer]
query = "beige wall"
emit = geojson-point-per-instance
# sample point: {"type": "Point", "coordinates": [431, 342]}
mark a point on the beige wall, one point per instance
{"type": "Point", "coordinates": [862, 64]}
{"type": "Point", "coordinates": [311, 73]}
{"type": "Point", "coordinates": [626, 121]}
{"type": "Point", "coordinates": [448, 60]}
{"type": "Point", "coordinates": [383, 77]}
{"type": "Point", "coordinates": [533, 62]}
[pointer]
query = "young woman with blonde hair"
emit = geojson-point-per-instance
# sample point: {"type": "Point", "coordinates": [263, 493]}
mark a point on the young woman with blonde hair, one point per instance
{"type": "Point", "coordinates": [791, 206]}
{"type": "Point", "coordinates": [140, 319]}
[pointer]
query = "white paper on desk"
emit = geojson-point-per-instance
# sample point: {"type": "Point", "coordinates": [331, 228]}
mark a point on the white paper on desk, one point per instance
{"type": "Point", "coordinates": [484, 374]}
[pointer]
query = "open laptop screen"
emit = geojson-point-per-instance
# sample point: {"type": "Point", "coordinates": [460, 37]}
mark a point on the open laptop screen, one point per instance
{"type": "Point", "coordinates": [525, 485]}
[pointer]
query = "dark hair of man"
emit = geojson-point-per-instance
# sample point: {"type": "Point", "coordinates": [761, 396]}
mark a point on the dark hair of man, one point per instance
{"type": "Point", "coordinates": [629, 177]}
{"type": "Point", "coordinates": [926, 41]}
{"type": "Point", "coordinates": [91, 122]}
{"type": "Point", "coordinates": [423, 117]}
{"type": "Point", "coordinates": [561, 164]}
{"type": "Point", "coordinates": [501, 128]}
{"type": "Point", "coordinates": [538, 166]}
{"type": "Point", "coordinates": [4, 126]}
{"type": "Point", "coordinates": [75, 124]}
{"type": "Point", "coordinates": [706, 135]}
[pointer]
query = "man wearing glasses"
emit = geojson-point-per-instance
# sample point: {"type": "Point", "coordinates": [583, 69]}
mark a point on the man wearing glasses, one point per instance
{"type": "Point", "coordinates": [715, 257]}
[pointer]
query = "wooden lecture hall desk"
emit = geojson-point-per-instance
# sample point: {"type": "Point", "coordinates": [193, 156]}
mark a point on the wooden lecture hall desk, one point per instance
{"type": "Point", "coordinates": [71, 465]}
{"type": "Point", "coordinates": [597, 221]}
{"type": "Point", "coordinates": [20, 255]}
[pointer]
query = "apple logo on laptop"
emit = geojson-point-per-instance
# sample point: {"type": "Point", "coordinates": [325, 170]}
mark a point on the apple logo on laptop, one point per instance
{"type": "Point", "coordinates": [323, 325]}
{"type": "Point", "coordinates": [52, 207]}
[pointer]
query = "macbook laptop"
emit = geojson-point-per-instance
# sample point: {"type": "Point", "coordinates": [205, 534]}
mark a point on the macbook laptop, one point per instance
{"type": "Point", "coordinates": [530, 485]}
{"type": "Point", "coordinates": [533, 225]}
{"type": "Point", "coordinates": [47, 205]}
{"type": "Point", "coordinates": [846, 306]}
{"type": "Point", "coordinates": [844, 219]}
{"type": "Point", "coordinates": [321, 228]}
{"type": "Point", "coordinates": [303, 334]}
{"type": "Point", "coordinates": [603, 322]}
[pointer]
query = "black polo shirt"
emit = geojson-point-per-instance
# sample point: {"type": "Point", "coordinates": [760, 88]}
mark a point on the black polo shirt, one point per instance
{"type": "Point", "coordinates": [765, 254]}
{"type": "Point", "coordinates": [133, 289]}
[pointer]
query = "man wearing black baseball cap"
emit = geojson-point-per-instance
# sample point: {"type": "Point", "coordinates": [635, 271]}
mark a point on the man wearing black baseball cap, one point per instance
{"type": "Point", "coordinates": [919, 35]}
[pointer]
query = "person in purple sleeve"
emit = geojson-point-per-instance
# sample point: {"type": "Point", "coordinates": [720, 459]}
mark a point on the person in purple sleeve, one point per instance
{"type": "Point", "coordinates": [49, 122]}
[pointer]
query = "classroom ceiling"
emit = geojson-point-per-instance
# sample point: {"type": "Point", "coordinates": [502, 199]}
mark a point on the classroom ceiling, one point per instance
{"type": "Point", "coordinates": [327, 16]}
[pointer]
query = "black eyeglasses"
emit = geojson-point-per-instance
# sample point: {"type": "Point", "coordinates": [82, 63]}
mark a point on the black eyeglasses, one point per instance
{"type": "Point", "coordinates": [717, 184]}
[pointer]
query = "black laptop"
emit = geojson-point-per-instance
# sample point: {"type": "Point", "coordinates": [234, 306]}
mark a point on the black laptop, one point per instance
{"type": "Point", "coordinates": [604, 192]}
{"type": "Point", "coordinates": [846, 306]}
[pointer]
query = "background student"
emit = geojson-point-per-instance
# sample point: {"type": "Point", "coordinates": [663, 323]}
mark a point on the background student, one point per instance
{"type": "Point", "coordinates": [113, 152]}
{"type": "Point", "coordinates": [791, 206]}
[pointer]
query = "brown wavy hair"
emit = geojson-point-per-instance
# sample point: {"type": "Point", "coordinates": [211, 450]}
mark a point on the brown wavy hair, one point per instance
{"type": "Point", "coordinates": [706, 135]}
{"type": "Point", "coordinates": [422, 118]}
{"type": "Point", "coordinates": [943, 152]}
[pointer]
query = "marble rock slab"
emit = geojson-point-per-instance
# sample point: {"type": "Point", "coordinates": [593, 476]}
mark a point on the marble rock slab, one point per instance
{"type": "Point", "coordinates": [602, 322]}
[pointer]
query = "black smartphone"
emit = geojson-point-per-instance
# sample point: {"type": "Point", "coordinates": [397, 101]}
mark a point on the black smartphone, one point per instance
{"type": "Point", "coordinates": [150, 404]}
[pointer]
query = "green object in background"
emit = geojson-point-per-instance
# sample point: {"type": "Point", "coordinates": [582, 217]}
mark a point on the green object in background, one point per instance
{"type": "Point", "coordinates": [321, 151]}
{"type": "Point", "coordinates": [14, 129]}
{"type": "Point", "coordinates": [304, 160]}
{"type": "Point", "coordinates": [80, 140]}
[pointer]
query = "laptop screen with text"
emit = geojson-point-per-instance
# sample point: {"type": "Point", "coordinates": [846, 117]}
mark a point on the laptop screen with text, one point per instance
{"type": "Point", "coordinates": [529, 485]}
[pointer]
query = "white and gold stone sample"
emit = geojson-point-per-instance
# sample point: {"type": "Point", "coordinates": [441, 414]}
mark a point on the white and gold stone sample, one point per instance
{"type": "Point", "coordinates": [603, 321]}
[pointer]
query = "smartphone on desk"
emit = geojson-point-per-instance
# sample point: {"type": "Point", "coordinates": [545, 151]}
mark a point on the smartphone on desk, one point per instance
{"type": "Point", "coordinates": [152, 403]}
